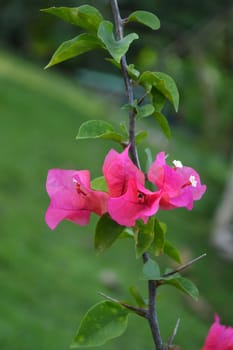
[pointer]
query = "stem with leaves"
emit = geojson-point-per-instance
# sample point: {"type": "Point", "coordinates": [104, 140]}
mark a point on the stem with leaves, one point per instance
{"type": "Point", "coordinates": [119, 25]}
{"type": "Point", "coordinates": [152, 314]}
{"type": "Point", "coordinates": [150, 237]}
{"type": "Point", "coordinates": [152, 285]}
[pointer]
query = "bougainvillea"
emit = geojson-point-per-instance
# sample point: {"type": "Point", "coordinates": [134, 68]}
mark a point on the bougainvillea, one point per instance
{"type": "Point", "coordinates": [127, 199]}
{"type": "Point", "coordinates": [180, 185]}
{"type": "Point", "coordinates": [219, 337]}
{"type": "Point", "coordinates": [72, 197]}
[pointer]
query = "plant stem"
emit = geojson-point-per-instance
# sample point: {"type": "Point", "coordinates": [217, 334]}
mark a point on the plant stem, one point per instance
{"type": "Point", "coordinates": [119, 23]}
{"type": "Point", "coordinates": [152, 314]}
{"type": "Point", "coordinates": [152, 285]}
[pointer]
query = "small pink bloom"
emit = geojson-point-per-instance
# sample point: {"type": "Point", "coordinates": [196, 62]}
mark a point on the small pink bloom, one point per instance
{"type": "Point", "coordinates": [72, 198]}
{"type": "Point", "coordinates": [179, 185]}
{"type": "Point", "coordinates": [129, 199]}
{"type": "Point", "coordinates": [219, 337]}
{"type": "Point", "coordinates": [117, 170]}
{"type": "Point", "coordinates": [135, 203]}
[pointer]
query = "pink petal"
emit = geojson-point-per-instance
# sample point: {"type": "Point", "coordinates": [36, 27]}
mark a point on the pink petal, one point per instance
{"type": "Point", "coordinates": [136, 203]}
{"type": "Point", "coordinates": [186, 173]}
{"type": "Point", "coordinates": [59, 180]}
{"type": "Point", "coordinates": [219, 337]}
{"type": "Point", "coordinates": [97, 201]}
{"type": "Point", "coordinates": [72, 198]}
{"type": "Point", "coordinates": [175, 184]}
{"type": "Point", "coordinates": [156, 170]}
{"type": "Point", "coordinates": [183, 200]}
{"type": "Point", "coordinates": [116, 169]}
{"type": "Point", "coordinates": [54, 216]}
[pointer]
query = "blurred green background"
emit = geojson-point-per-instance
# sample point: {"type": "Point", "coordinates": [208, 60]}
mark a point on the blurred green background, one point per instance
{"type": "Point", "coordinates": [49, 279]}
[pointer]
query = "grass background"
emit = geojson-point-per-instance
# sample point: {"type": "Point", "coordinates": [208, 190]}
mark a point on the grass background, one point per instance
{"type": "Point", "coordinates": [48, 280]}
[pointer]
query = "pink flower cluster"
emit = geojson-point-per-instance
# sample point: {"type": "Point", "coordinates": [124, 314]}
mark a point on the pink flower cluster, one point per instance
{"type": "Point", "coordinates": [127, 199]}
{"type": "Point", "coordinates": [219, 337]}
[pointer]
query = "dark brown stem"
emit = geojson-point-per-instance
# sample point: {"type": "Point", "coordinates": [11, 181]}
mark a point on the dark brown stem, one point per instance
{"type": "Point", "coordinates": [151, 314]}
{"type": "Point", "coordinates": [119, 25]}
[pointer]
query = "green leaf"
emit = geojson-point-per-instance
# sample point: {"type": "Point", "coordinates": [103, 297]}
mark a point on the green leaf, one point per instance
{"type": "Point", "coordinates": [116, 48]}
{"type": "Point", "coordinates": [140, 136]}
{"type": "Point", "coordinates": [114, 62]}
{"type": "Point", "coordinates": [183, 284]}
{"type": "Point", "coordinates": [74, 47]}
{"type": "Point", "coordinates": [104, 321]}
{"type": "Point", "coordinates": [163, 123]}
{"type": "Point", "coordinates": [151, 270]}
{"type": "Point", "coordinates": [144, 236]}
{"type": "Point", "coordinates": [128, 107]}
{"type": "Point", "coordinates": [163, 83]}
{"type": "Point", "coordinates": [167, 86]}
{"type": "Point", "coordinates": [172, 252]}
{"type": "Point", "coordinates": [97, 129]}
{"type": "Point", "coordinates": [99, 184]}
{"type": "Point", "coordinates": [127, 233]}
{"type": "Point", "coordinates": [133, 72]}
{"type": "Point", "coordinates": [85, 16]}
{"type": "Point", "coordinates": [124, 130]}
{"type": "Point", "coordinates": [158, 99]}
{"type": "Point", "coordinates": [146, 18]}
{"type": "Point", "coordinates": [137, 296]}
{"type": "Point", "coordinates": [107, 232]}
{"type": "Point", "coordinates": [145, 111]}
{"type": "Point", "coordinates": [148, 80]}
{"type": "Point", "coordinates": [160, 230]}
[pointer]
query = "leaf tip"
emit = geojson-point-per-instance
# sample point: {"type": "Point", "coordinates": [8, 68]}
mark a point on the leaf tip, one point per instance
{"type": "Point", "coordinates": [98, 250]}
{"type": "Point", "coordinates": [50, 64]}
{"type": "Point", "coordinates": [176, 106]}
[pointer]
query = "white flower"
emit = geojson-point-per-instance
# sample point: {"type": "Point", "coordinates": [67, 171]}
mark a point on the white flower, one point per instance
{"type": "Point", "coordinates": [177, 164]}
{"type": "Point", "coordinates": [193, 181]}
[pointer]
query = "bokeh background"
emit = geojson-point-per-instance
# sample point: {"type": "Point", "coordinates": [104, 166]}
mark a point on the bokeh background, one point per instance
{"type": "Point", "coordinates": [49, 279]}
